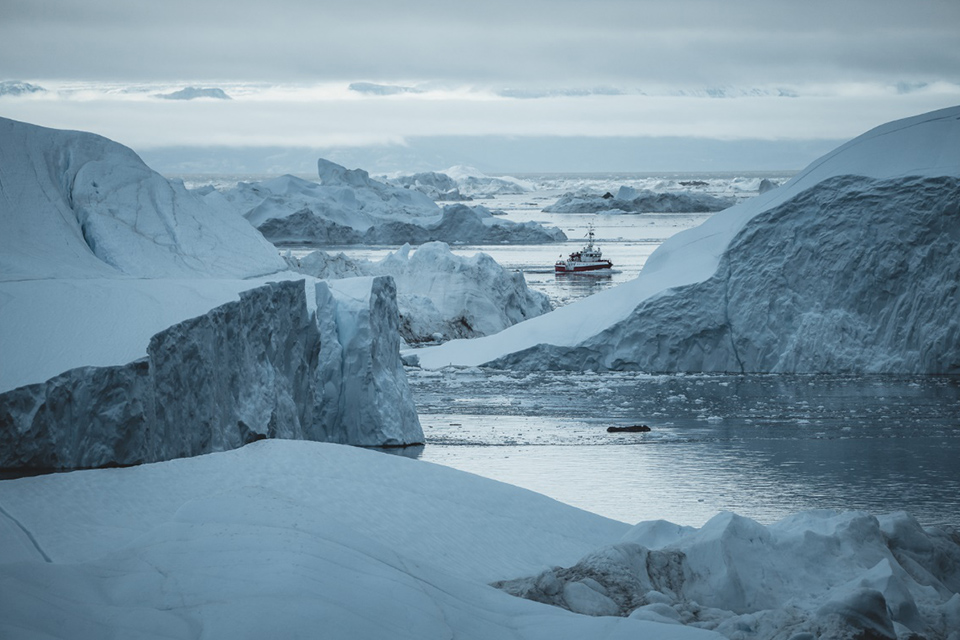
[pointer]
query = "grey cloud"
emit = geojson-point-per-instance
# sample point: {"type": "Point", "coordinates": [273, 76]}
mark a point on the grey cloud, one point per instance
{"type": "Point", "coordinates": [539, 42]}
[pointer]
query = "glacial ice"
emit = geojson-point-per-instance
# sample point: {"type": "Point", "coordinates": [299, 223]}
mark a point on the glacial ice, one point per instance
{"type": "Point", "coordinates": [290, 539]}
{"type": "Point", "coordinates": [827, 574]}
{"type": "Point", "coordinates": [139, 322]}
{"type": "Point", "coordinates": [262, 367]}
{"type": "Point", "coordinates": [350, 207]}
{"type": "Point", "coordinates": [460, 183]}
{"type": "Point", "coordinates": [850, 266]}
{"type": "Point", "coordinates": [440, 295]}
{"type": "Point", "coordinates": [630, 200]}
{"type": "Point", "coordinates": [437, 186]}
{"type": "Point", "coordinates": [76, 205]}
{"type": "Point", "coordinates": [476, 184]}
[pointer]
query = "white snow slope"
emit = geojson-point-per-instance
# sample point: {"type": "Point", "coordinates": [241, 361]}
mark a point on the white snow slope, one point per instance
{"type": "Point", "coordinates": [76, 205]}
{"type": "Point", "coordinates": [851, 266]}
{"type": "Point", "coordinates": [288, 539]}
{"type": "Point", "coordinates": [441, 295]}
{"type": "Point", "coordinates": [819, 573]}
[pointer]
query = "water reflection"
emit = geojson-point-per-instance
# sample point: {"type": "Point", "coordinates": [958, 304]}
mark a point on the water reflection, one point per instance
{"type": "Point", "coordinates": [763, 446]}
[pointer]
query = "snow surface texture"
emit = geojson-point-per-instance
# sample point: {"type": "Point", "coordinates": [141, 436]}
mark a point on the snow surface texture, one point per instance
{"type": "Point", "coordinates": [850, 266]}
{"type": "Point", "coordinates": [820, 573]}
{"type": "Point", "coordinates": [244, 371]}
{"type": "Point", "coordinates": [349, 207]}
{"type": "Point", "coordinates": [630, 200]}
{"type": "Point", "coordinates": [441, 295]}
{"type": "Point", "coordinates": [76, 205]}
{"type": "Point", "coordinates": [289, 540]}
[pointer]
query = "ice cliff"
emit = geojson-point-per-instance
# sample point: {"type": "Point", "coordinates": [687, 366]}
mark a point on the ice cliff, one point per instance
{"type": "Point", "coordinates": [262, 367]}
{"type": "Point", "coordinates": [812, 575]}
{"type": "Point", "coordinates": [440, 295]}
{"type": "Point", "coordinates": [347, 206]}
{"type": "Point", "coordinates": [851, 266]}
{"type": "Point", "coordinates": [137, 321]}
{"type": "Point", "coordinates": [630, 200]}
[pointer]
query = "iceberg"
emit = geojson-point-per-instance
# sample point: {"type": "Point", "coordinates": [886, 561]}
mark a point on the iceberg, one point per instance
{"type": "Point", "coordinates": [819, 573]}
{"type": "Point", "coordinates": [139, 323]}
{"type": "Point", "coordinates": [630, 200]}
{"type": "Point", "coordinates": [290, 539]}
{"type": "Point", "coordinates": [261, 367]}
{"type": "Point", "coordinates": [76, 205]}
{"type": "Point", "coordinates": [347, 207]}
{"type": "Point", "coordinates": [441, 296]}
{"type": "Point", "coordinates": [851, 266]}
{"type": "Point", "coordinates": [476, 184]}
{"type": "Point", "coordinates": [437, 186]}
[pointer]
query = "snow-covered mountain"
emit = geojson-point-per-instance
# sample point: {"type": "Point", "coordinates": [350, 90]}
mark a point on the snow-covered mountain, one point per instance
{"type": "Point", "coordinates": [18, 88]}
{"type": "Point", "coordinates": [193, 93]}
{"type": "Point", "coordinates": [851, 266]}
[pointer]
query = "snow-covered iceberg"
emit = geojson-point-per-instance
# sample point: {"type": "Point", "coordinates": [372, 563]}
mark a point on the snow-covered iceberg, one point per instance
{"type": "Point", "coordinates": [630, 200]}
{"type": "Point", "coordinates": [440, 295]}
{"type": "Point", "coordinates": [77, 205]}
{"type": "Point", "coordinates": [262, 367]}
{"type": "Point", "coordinates": [437, 186]}
{"type": "Point", "coordinates": [138, 323]}
{"type": "Point", "coordinates": [814, 575]}
{"type": "Point", "coordinates": [850, 266]}
{"type": "Point", "coordinates": [476, 184]}
{"type": "Point", "coordinates": [347, 206]}
{"type": "Point", "coordinates": [289, 540]}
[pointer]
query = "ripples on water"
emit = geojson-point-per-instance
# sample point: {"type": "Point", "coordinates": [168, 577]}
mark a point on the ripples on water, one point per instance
{"type": "Point", "coordinates": [762, 445]}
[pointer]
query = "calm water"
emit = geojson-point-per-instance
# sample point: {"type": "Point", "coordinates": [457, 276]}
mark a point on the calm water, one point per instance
{"type": "Point", "coordinates": [763, 446]}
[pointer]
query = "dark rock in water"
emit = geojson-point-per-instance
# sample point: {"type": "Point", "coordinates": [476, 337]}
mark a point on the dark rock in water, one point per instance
{"type": "Point", "coordinates": [693, 183]}
{"type": "Point", "coordinates": [607, 196]}
{"type": "Point", "coordinates": [637, 428]}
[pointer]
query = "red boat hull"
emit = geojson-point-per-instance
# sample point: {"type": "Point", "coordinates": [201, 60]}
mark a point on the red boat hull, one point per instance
{"type": "Point", "coordinates": [561, 267]}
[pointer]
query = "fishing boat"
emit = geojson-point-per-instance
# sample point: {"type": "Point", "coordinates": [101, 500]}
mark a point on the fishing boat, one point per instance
{"type": "Point", "coordinates": [587, 259]}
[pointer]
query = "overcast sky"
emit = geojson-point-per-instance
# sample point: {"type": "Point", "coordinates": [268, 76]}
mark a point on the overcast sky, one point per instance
{"type": "Point", "coordinates": [785, 70]}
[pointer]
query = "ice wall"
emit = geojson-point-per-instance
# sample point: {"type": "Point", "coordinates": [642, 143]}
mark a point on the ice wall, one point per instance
{"type": "Point", "coordinates": [246, 370]}
{"type": "Point", "coordinates": [850, 267]}
{"type": "Point", "coordinates": [365, 396]}
{"type": "Point", "coordinates": [854, 275]}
